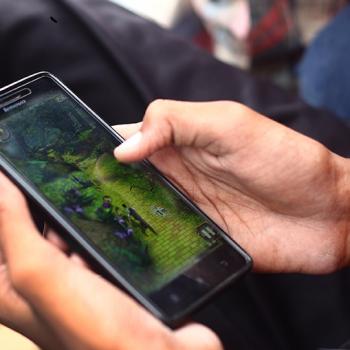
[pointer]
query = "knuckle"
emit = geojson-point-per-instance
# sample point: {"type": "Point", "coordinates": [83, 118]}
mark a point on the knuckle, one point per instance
{"type": "Point", "coordinates": [156, 109]}
{"type": "Point", "coordinates": [238, 110]}
{"type": "Point", "coordinates": [160, 339]}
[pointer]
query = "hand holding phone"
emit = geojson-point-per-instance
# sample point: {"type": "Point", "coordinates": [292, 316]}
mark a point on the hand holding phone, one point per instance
{"type": "Point", "coordinates": [58, 303]}
{"type": "Point", "coordinates": [132, 223]}
{"type": "Point", "coordinates": [278, 193]}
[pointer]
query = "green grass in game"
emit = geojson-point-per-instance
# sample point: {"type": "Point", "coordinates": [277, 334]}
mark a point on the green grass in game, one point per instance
{"type": "Point", "coordinates": [173, 244]}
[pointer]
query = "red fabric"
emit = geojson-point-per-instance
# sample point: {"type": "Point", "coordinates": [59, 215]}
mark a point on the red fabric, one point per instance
{"type": "Point", "coordinates": [272, 29]}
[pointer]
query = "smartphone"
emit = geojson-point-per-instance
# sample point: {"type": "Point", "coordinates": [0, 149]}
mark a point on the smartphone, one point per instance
{"type": "Point", "coordinates": [133, 223]}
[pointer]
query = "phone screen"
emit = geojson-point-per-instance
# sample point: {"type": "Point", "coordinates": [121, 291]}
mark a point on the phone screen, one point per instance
{"type": "Point", "coordinates": [141, 226]}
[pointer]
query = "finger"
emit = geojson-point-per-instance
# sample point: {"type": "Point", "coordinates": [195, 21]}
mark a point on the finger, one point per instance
{"type": "Point", "coordinates": [20, 242]}
{"type": "Point", "coordinates": [56, 240]}
{"type": "Point", "coordinates": [46, 279]}
{"type": "Point", "coordinates": [79, 261]}
{"type": "Point", "coordinates": [31, 260]}
{"type": "Point", "coordinates": [177, 123]}
{"type": "Point", "coordinates": [17, 229]}
{"type": "Point", "coordinates": [127, 130]}
{"type": "Point", "coordinates": [196, 336]}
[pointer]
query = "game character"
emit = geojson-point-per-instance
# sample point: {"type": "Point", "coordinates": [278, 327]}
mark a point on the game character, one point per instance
{"type": "Point", "coordinates": [107, 202]}
{"type": "Point", "coordinates": [124, 234]}
{"type": "Point", "coordinates": [74, 209]}
{"type": "Point", "coordinates": [83, 183]}
{"type": "Point", "coordinates": [105, 211]}
{"type": "Point", "coordinates": [137, 217]}
{"type": "Point", "coordinates": [72, 202]}
{"type": "Point", "coordinates": [120, 220]}
{"type": "Point", "coordinates": [72, 196]}
{"type": "Point", "coordinates": [119, 215]}
{"type": "Point", "coordinates": [160, 211]}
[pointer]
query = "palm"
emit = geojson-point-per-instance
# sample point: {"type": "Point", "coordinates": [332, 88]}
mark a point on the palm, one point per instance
{"type": "Point", "coordinates": [271, 189]}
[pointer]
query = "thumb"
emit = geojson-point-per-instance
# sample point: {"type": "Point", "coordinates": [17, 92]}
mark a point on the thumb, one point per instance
{"type": "Point", "coordinates": [172, 123]}
{"type": "Point", "coordinates": [195, 336]}
{"type": "Point", "coordinates": [127, 130]}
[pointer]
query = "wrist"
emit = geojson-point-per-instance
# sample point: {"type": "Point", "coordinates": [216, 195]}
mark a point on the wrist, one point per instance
{"type": "Point", "coordinates": [341, 210]}
{"type": "Point", "coordinates": [342, 183]}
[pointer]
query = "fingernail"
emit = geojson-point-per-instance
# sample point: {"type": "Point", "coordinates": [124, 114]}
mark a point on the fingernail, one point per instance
{"type": "Point", "coordinates": [130, 145]}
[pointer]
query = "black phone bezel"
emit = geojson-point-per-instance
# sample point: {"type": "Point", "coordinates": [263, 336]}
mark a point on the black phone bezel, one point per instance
{"type": "Point", "coordinates": [73, 235]}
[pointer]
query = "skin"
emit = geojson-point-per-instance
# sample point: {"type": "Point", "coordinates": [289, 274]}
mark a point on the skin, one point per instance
{"type": "Point", "coordinates": [281, 195]}
{"type": "Point", "coordinates": [56, 301]}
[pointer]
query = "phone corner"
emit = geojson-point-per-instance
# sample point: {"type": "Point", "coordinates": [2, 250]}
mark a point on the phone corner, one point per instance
{"type": "Point", "coordinates": [249, 263]}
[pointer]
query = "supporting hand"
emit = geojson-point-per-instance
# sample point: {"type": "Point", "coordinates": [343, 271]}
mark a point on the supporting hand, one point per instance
{"type": "Point", "coordinates": [56, 301]}
{"type": "Point", "coordinates": [283, 196]}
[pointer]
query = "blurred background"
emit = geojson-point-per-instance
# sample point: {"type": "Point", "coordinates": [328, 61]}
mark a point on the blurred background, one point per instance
{"type": "Point", "coordinates": [234, 33]}
{"type": "Point", "coordinates": [163, 12]}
